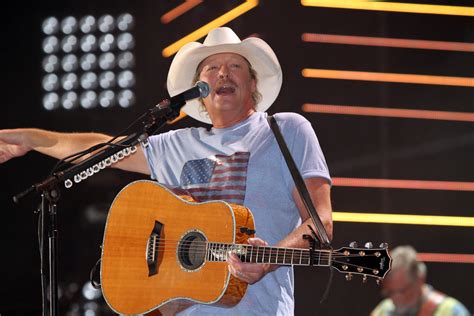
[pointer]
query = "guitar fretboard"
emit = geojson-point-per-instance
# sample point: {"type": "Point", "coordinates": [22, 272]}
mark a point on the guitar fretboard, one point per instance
{"type": "Point", "coordinates": [219, 252]}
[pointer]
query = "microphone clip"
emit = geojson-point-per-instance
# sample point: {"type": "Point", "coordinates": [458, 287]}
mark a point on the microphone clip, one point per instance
{"type": "Point", "coordinates": [166, 110]}
{"type": "Point", "coordinates": [169, 109]}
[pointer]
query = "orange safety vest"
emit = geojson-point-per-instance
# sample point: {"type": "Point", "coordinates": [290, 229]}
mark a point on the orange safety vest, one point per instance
{"type": "Point", "coordinates": [431, 303]}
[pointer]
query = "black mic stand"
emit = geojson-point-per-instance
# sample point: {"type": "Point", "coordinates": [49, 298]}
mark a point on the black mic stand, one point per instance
{"type": "Point", "coordinates": [154, 120]}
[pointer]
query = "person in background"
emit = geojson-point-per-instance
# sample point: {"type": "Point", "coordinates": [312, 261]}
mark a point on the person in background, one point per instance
{"type": "Point", "coordinates": [407, 294]}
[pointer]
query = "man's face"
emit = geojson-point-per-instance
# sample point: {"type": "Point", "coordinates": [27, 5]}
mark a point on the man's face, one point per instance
{"type": "Point", "coordinates": [231, 84]}
{"type": "Point", "coordinates": [404, 292]}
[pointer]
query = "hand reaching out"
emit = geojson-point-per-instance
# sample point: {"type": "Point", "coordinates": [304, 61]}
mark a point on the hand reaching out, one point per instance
{"type": "Point", "coordinates": [12, 145]}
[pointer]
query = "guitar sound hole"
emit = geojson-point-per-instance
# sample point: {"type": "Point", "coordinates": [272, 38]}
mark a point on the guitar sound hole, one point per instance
{"type": "Point", "coordinates": [192, 250]}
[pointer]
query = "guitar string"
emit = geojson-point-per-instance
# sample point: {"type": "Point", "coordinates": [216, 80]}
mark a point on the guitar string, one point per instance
{"type": "Point", "coordinates": [262, 258]}
{"type": "Point", "coordinates": [303, 258]}
{"type": "Point", "coordinates": [292, 261]}
{"type": "Point", "coordinates": [271, 257]}
{"type": "Point", "coordinates": [158, 240]}
{"type": "Point", "coordinates": [268, 258]}
{"type": "Point", "coordinates": [167, 240]}
{"type": "Point", "coordinates": [235, 247]}
{"type": "Point", "coordinates": [262, 250]}
{"type": "Point", "coordinates": [269, 253]}
{"type": "Point", "coordinates": [220, 246]}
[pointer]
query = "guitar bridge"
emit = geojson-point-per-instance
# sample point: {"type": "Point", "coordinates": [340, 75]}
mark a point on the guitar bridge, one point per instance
{"type": "Point", "coordinates": [152, 249]}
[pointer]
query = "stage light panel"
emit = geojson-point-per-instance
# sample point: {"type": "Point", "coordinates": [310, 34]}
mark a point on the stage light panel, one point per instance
{"type": "Point", "coordinates": [50, 82]}
{"type": "Point", "coordinates": [126, 98]}
{"type": "Point", "coordinates": [106, 42]}
{"type": "Point", "coordinates": [106, 23]}
{"type": "Point", "coordinates": [107, 61]}
{"type": "Point", "coordinates": [107, 80]}
{"type": "Point", "coordinates": [89, 81]}
{"type": "Point", "coordinates": [50, 26]}
{"type": "Point", "coordinates": [88, 99]}
{"type": "Point", "coordinates": [50, 44]}
{"type": "Point", "coordinates": [107, 99]}
{"type": "Point", "coordinates": [87, 55]}
{"type": "Point", "coordinates": [125, 41]}
{"type": "Point", "coordinates": [126, 79]}
{"type": "Point", "coordinates": [88, 62]}
{"type": "Point", "coordinates": [69, 25]}
{"type": "Point", "coordinates": [126, 60]}
{"type": "Point", "coordinates": [88, 24]}
{"type": "Point", "coordinates": [50, 63]}
{"type": "Point", "coordinates": [69, 63]}
{"type": "Point", "coordinates": [69, 100]}
{"type": "Point", "coordinates": [69, 81]}
{"type": "Point", "coordinates": [51, 101]}
{"type": "Point", "coordinates": [69, 44]}
{"type": "Point", "coordinates": [125, 22]}
{"type": "Point", "coordinates": [88, 43]}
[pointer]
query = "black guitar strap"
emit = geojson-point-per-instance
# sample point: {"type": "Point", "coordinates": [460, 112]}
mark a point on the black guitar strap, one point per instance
{"type": "Point", "coordinates": [300, 185]}
{"type": "Point", "coordinates": [305, 197]}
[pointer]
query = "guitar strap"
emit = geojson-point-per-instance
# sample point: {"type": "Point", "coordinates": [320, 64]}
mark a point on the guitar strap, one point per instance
{"type": "Point", "coordinates": [300, 185]}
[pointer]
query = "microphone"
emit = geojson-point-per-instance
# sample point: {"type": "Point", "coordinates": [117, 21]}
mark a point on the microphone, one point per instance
{"type": "Point", "coordinates": [200, 90]}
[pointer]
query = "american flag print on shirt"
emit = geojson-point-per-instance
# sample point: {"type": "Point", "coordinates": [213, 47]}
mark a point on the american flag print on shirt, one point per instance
{"type": "Point", "coordinates": [219, 177]}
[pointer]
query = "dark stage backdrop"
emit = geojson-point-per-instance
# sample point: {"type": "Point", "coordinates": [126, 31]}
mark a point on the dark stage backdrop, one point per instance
{"type": "Point", "coordinates": [352, 65]}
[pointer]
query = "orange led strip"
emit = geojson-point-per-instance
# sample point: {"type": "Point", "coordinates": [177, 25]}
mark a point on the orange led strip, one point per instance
{"type": "Point", "coordinates": [446, 257]}
{"type": "Point", "coordinates": [179, 10]}
{"type": "Point", "coordinates": [387, 77]}
{"type": "Point", "coordinates": [387, 42]}
{"type": "Point", "coordinates": [391, 6]}
{"type": "Point", "coordinates": [403, 219]}
{"type": "Point", "coordinates": [181, 116]}
{"type": "Point", "coordinates": [388, 112]}
{"type": "Point", "coordinates": [404, 184]}
{"type": "Point", "coordinates": [202, 31]}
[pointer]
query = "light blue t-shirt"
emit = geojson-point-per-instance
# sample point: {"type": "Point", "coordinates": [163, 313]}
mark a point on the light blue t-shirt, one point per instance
{"type": "Point", "coordinates": [243, 164]}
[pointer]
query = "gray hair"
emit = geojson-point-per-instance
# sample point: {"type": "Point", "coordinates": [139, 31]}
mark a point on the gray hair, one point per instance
{"type": "Point", "coordinates": [404, 258]}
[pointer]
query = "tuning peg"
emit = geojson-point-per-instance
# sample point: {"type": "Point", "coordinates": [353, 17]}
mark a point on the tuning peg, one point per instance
{"type": "Point", "coordinates": [348, 276]}
{"type": "Point", "coordinates": [383, 245]}
{"type": "Point", "coordinates": [368, 245]}
{"type": "Point", "coordinates": [364, 278]}
{"type": "Point", "coordinates": [354, 244]}
{"type": "Point", "coordinates": [378, 281]}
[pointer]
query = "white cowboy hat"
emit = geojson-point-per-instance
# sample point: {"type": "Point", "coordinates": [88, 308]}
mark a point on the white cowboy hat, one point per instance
{"type": "Point", "coordinates": [224, 40]}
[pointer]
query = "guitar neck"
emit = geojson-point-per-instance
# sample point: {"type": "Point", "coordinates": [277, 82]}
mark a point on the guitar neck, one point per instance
{"type": "Point", "coordinates": [219, 252]}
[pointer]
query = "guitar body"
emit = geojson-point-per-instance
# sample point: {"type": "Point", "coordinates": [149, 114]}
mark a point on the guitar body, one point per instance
{"type": "Point", "coordinates": [163, 252]}
{"type": "Point", "coordinates": [143, 266]}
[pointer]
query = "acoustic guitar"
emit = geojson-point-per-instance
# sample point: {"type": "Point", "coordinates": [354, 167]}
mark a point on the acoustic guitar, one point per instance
{"type": "Point", "coordinates": [167, 252]}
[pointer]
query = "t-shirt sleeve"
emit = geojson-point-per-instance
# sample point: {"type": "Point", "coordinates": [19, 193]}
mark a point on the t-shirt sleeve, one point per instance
{"type": "Point", "coordinates": [164, 153]}
{"type": "Point", "coordinates": [151, 148]}
{"type": "Point", "coordinates": [304, 147]}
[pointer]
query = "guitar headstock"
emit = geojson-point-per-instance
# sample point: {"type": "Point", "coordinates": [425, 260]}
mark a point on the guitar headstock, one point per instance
{"type": "Point", "coordinates": [366, 261]}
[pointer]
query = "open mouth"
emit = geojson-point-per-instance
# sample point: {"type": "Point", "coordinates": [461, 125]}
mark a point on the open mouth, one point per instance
{"type": "Point", "coordinates": [225, 90]}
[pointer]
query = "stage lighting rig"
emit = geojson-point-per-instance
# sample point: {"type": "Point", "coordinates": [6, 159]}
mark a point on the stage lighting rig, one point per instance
{"type": "Point", "coordinates": [88, 62]}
